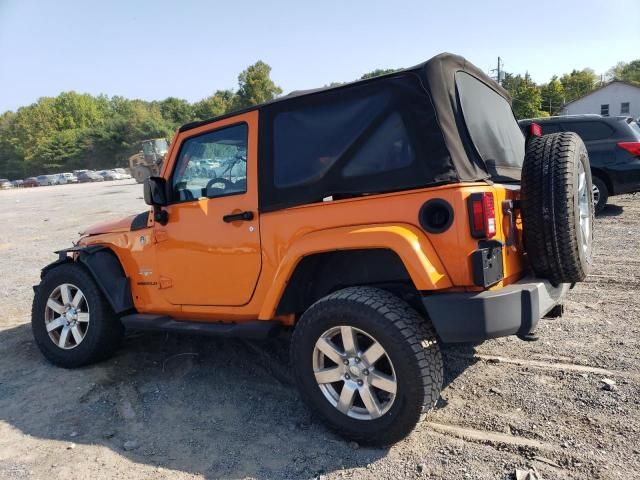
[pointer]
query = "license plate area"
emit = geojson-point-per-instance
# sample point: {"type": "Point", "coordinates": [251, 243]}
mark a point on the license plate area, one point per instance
{"type": "Point", "coordinates": [487, 263]}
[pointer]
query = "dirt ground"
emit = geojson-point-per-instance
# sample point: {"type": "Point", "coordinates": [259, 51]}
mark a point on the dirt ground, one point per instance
{"type": "Point", "coordinates": [181, 407]}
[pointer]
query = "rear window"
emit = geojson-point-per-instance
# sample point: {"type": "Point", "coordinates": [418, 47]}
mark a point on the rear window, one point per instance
{"type": "Point", "coordinates": [635, 128]}
{"type": "Point", "coordinates": [492, 126]}
{"type": "Point", "coordinates": [589, 130]}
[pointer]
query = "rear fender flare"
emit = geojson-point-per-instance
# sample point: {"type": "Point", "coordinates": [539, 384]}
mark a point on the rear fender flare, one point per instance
{"type": "Point", "coordinates": [410, 244]}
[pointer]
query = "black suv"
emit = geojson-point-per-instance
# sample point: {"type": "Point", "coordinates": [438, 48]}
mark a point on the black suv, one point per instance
{"type": "Point", "coordinates": [613, 144]}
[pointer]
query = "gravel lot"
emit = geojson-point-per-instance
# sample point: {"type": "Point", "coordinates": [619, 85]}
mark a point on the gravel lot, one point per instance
{"type": "Point", "coordinates": [183, 407]}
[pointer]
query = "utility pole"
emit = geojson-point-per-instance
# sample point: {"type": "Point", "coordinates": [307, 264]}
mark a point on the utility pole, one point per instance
{"type": "Point", "coordinates": [498, 71]}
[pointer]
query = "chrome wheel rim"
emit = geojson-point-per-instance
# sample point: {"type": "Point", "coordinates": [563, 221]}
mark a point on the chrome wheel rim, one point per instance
{"type": "Point", "coordinates": [584, 202]}
{"type": "Point", "coordinates": [66, 316]}
{"type": "Point", "coordinates": [354, 373]}
{"type": "Point", "coordinates": [596, 194]}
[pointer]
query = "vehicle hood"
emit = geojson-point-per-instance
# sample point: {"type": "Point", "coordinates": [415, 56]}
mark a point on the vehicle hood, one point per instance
{"type": "Point", "coordinates": [113, 226]}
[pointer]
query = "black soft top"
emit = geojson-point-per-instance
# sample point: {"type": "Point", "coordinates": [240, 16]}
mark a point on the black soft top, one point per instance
{"type": "Point", "coordinates": [441, 121]}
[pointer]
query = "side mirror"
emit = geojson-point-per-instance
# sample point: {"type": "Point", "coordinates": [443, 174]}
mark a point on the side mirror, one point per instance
{"type": "Point", "coordinates": [155, 191]}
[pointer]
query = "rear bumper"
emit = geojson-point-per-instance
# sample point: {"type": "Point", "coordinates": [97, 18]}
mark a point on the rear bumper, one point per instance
{"type": "Point", "coordinates": [477, 316]}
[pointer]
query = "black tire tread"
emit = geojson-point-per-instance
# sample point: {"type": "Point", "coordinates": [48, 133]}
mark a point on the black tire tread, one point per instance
{"type": "Point", "coordinates": [548, 211]}
{"type": "Point", "coordinates": [107, 329]}
{"type": "Point", "coordinates": [419, 339]}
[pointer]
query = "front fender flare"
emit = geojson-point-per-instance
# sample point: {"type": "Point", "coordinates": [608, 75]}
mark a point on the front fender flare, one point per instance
{"type": "Point", "coordinates": [103, 265]}
{"type": "Point", "coordinates": [410, 244]}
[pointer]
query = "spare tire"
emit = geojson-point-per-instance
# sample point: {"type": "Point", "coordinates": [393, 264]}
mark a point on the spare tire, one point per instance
{"type": "Point", "coordinates": [557, 207]}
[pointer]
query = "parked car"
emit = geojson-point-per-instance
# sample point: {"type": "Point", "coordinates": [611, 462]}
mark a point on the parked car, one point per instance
{"type": "Point", "coordinates": [78, 172]}
{"type": "Point", "coordinates": [5, 184]}
{"type": "Point", "coordinates": [46, 180]}
{"type": "Point", "coordinates": [18, 183]}
{"type": "Point", "coordinates": [613, 144]}
{"type": "Point", "coordinates": [109, 175]}
{"type": "Point", "coordinates": [374, 221]}
{"type": "Point", "coordinates": [69, 177]}
{"type": "Point", "coordinates": [31, 182]}
{"type": "Point", "coordinates": [89, 176]}
{"type": "Point", "coordinates": [124, 175]}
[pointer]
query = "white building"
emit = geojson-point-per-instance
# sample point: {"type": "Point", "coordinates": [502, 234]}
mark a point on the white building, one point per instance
{"type": "Point", "coordinates": [614, 98]}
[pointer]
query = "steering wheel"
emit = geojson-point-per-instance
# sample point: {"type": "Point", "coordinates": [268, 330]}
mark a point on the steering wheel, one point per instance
{"type": "Point", "coordinates": [213, 181]}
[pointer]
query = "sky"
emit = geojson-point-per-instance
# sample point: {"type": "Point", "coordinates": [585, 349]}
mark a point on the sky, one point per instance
{"type": "Point", "coordinates": [189, 49]}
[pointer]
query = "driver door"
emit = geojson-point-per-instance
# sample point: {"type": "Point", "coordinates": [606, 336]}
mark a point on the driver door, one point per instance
{"type": "Point", "coordinates": [208, 253]}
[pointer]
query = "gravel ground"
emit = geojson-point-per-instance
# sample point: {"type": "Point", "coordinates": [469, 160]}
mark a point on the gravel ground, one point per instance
{"type": "Point", "coordinates": [182, 407]}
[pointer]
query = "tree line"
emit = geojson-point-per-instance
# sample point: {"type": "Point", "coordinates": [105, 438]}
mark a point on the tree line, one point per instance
{"type": "Point", "coordinates": [73, 130]}
{"type": "Point", "coordinates": [540, 100]}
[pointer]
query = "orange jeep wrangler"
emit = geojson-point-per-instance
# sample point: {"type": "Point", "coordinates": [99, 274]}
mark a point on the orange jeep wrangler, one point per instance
{"type": "Point", "coordinates": [375, 221]}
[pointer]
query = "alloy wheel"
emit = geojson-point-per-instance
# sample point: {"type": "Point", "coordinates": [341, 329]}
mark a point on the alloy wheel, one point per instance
{"type": "Point", "coordinates": [584, 202]}
{"type": "Point", "coordinates": [67, 316]}
{"type": "Point", "coordinates": [354, 372]}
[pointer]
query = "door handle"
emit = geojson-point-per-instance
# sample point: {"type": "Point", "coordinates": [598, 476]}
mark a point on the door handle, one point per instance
{"type": "Point", "coordinates": [234, 217]}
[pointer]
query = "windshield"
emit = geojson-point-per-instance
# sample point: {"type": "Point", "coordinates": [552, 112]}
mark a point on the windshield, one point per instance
{"type": "Point", "coordinates": [161, 146]}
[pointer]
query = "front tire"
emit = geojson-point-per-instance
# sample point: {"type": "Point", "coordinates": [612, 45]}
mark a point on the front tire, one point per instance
{"type": "Point", "coordinates": [367, 363]}
{"type": "Point", "coordinates": [72, 323]}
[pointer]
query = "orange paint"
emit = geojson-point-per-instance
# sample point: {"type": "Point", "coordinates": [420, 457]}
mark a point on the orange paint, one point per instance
{"type": "Point", "coordinates": [199, 267]}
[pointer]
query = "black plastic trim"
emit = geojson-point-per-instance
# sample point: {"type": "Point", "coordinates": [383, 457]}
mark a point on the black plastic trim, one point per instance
{"type": "Point", "coordinates": [105, 268]}
{"type": "Point", "coordinates": [435, 203]}
{"type": "Point", "coordinates": [487, 263]}
{"type": "Point", "coordinates": [140, 221]}
{"type": "Point", "coordinates": [477, 316]}
{"type": "Point", "coordinates": [253, 329]}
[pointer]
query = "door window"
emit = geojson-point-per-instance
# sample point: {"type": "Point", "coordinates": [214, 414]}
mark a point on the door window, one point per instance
{"type": "Point", "coordinates": [212, 164]}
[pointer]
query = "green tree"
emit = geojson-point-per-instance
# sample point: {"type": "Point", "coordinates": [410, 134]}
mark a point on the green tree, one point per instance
{"type": "Point", "coordinates": [255, 86]}
{"type": "Point", "coordinates": [578, 83]}
{"type": "Point", "coordinates": [628, 72]}
{"type": "Point", "coordinates": [219, 103]}
{"type": "Point", "coordinates": [525, 95]}
{"type": "Point", "coordinates": [176, 110]}
{"type": "Point", "coordinates": [11, 162]}
{"type": "Point", "coordinates": [378, 71]}
{"type": "Point", "coordinates": [552, 96]}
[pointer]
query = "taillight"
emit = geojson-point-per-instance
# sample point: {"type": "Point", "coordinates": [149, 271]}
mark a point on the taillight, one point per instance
{"type": "Point", "coordinates": [632, 147]}
{"type": "Point", "coordinates": [482, 215]}
{"type": "Point", "coordinates": [535, 130]}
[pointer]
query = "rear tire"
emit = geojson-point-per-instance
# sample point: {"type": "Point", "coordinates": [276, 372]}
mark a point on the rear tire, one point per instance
{"type": "Point", "coordinates": [600, 194]}
{"type": "Point", "coordinates": [411, 358]}
{"type": "Point", "coordinates": [98, 331]}
{"type": "Point", "coordinates": [557, 207]}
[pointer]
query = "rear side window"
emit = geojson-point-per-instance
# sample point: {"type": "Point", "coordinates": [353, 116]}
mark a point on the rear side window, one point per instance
{"type": "Point", "coordinates": [589, 130]}
{"type": "Point", "coordinates": [309, 142]}
{"type": "Point", "coordinates": [635, 128]}
{"type": "Point", "coordinates": [365, 138]}
{"type": "Point", "coordinates": [492, 126]}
